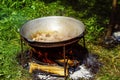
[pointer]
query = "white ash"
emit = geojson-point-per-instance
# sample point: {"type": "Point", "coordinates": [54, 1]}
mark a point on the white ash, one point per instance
{"type": "Point", "coordinates": [48, 77]}
{"type": "Point", "coordinates": [81, 72]}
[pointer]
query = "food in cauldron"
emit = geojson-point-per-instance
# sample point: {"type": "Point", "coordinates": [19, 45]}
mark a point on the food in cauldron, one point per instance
{"type": "Point", "coordinates": [49, 36]}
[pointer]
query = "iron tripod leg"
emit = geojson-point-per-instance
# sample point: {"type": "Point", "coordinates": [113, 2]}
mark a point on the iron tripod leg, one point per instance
{"type": "Point", "coordinates": [22, 55]}
{"type": "Point", "coordinates": [65, 63]}
{"type": "Point", "coordinates": [84, 42]}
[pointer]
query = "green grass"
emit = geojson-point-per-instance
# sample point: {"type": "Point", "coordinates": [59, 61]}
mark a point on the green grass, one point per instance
{"type": "Point", "coordinates": [110, 60]}
{"type": "Point", "coordinates": [13, 14]}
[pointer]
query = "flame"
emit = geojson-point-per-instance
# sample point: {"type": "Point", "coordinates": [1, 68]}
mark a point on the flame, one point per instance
{"type": "Point", "coordinates": [43, 56]}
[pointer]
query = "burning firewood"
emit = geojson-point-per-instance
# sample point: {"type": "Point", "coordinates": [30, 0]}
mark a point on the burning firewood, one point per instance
{"type": "Point", "coordinates": [69, 62]}
{"type": "Point", "coordinates": [48, 68]}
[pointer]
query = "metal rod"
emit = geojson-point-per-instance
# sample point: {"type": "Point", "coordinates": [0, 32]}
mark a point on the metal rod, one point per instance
{"type": "Point", "coordinates": [30, 55]}
{"type": "Point", "coordinates": [22, 62]}
{"type": "Point", "coordinates": [84, 41]}
{"type": "Point", "coordinates": [64, 61]}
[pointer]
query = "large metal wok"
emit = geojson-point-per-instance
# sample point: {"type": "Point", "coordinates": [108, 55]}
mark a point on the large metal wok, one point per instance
{"type": "Point", "coordinates": [65, 26]}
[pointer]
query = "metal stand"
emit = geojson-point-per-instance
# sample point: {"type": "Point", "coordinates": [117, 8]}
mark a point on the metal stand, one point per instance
{"type": "Point", "coordinates": [22, 52]}
{"type": "Point", "coordinates": [84, 42]}
{"type": "Point", "coordinates": [65, 63]}
{"type": "Point", "coordinates": [64, 54]}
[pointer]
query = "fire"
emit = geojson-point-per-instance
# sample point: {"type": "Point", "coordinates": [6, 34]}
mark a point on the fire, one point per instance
{"type": "Point", "coordinates": [55, 56]}
{"type": "Point", "coordinates": [42, 56]}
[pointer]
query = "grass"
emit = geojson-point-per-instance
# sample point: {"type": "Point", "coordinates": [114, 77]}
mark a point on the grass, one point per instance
{"type": "Point", "coordinates": [110, 60]}
{"type": "Point", "coordinates": [13, 14]}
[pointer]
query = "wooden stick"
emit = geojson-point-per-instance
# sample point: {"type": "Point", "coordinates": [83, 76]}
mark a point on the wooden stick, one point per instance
{"type": "Point", "coordinates": [48, 68]}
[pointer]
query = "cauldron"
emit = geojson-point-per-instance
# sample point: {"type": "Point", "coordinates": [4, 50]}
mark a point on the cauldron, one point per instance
{"type": "Point", "coordinates": [66, 26]}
